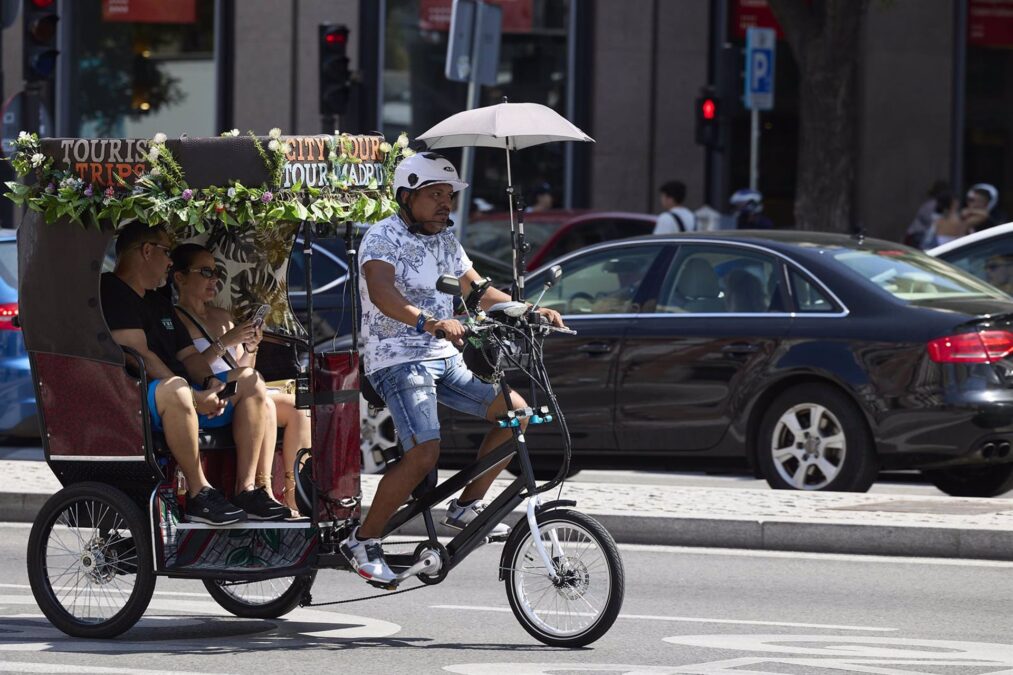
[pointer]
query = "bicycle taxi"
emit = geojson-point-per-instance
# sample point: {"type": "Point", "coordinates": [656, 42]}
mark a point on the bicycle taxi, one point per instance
{"type": "Point", "coordinates": [99, 544]}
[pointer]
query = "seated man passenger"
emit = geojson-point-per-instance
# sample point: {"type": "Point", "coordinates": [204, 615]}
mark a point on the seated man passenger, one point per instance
{"type": "Point", "coordinates": [144, 320]}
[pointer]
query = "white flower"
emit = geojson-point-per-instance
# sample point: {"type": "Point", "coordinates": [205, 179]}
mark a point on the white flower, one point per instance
{"type": "Point", "coordinates": [156, 172]}
{"type": "Point", "coordinates": [159, 138]}
{"type": "Point", "coordinates": [402, 140]}
{"type": "Point", "coordinates": [273, 145]}
{"type": "Point", "coordinates": [38, 158]}
{"type": "Point", "coordinates": [24, 136]}
{"type": "Point", "coordinates": [231, 192]}
{"type": "Point", "coordinates": [153, 153]}
{"type": "Point", "coordinates": [407, 152]}
{"type": "Point", "coordinates": [385, 147]}
{"type": "Point", "coordinates": [274, 133]}
{"type": "Point", "coordinates": [333, 156]}
{"type": "Point", "coordinates": [337, 133]}
{"type": "Point", "coordinates": [234, 132]}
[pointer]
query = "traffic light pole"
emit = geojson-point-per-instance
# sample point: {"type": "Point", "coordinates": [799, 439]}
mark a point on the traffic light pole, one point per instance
{"type": "Point", "coordinates": [754, 149]}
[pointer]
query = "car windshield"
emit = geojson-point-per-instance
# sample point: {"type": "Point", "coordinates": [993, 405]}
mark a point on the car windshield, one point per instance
{"type": "Point", "coordinates": [492, 237]}
{"type": "Point", "coordinates": [911, 275]}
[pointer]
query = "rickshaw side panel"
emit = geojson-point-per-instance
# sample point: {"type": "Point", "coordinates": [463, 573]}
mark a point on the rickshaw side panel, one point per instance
{"type": "Point", "coordinates": [337, 456]}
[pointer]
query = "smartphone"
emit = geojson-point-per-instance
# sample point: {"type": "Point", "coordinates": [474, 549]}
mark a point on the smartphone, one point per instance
{"type": "Point", "coordinates": [229, 390]}
{"type": "Point", "coordinates": [258, 314]}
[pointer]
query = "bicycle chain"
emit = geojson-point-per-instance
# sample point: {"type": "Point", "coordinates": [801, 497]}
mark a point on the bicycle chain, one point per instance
{"type": "Point", "coordinates": [378, 595]}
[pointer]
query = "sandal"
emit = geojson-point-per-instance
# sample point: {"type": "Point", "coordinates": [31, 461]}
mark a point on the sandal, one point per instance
{"type": "Point", "coordinates": [288, 494]}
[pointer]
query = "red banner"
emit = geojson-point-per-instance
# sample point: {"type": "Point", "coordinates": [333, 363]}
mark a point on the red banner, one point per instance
{"type": "Point", "coordinates": [517, 15]}
{"type": "Point", "coordinates": [150, 11]}
{"type": "Point", "coordinates": [753, 13]}
{"type": "Point", "coordinates": [990, 23]}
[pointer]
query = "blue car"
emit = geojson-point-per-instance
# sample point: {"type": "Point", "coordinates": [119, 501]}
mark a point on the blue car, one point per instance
{"type": "Point", "coordinates": [18, 415]}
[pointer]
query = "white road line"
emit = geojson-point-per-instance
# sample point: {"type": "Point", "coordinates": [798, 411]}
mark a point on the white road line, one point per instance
{"type": "Point", "coordinates": [27, 667]}
{"type": "Point", "coordinates": [172, 593]}
{"type": "Point", "coordinates": [848, 557]}
{"type": "Point", "coordinates": [690, 619]}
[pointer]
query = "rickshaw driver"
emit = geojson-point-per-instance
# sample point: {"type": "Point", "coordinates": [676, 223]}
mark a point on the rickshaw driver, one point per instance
{"type": "Point", "coordinates": [400, 260]}
{"type": "Point", "coordinates": [144, 320]}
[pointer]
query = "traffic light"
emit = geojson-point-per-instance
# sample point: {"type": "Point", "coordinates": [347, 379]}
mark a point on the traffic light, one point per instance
{"type": "Point", "coordinates": [39, 55]}
{"type": "Point", "coordinates": [707, 119]}
{"type": "Point", "coordinates": [334, 73]}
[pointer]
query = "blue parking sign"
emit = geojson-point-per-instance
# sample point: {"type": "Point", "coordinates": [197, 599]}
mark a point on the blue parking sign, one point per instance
{"type": "Point", "coordinates": [761, 46]}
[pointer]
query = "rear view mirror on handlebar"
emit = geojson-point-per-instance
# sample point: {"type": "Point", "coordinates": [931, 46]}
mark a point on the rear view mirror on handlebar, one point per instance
{"type": "Point", "coordinates": [448, 284]}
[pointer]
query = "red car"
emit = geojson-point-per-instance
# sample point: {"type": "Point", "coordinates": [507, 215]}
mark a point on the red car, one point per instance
{"type": "Point", "coordinates": [553, 233]}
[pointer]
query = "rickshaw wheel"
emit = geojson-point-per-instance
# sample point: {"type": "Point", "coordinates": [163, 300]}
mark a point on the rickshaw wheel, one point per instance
{"type": "Point", "coordinates": [263, 599]}
{"type": "Point", "coordinates": [584, 601]}
{"type": "Point", "coordinates": [90, 561]}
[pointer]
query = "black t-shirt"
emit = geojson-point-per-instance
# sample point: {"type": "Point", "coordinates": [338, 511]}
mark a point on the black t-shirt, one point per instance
{"type": "Point", "coordinates": [153, 314]}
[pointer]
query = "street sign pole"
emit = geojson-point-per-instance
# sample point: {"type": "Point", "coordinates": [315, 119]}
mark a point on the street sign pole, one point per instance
{"type": "Point", "coordinates": [761, 46]}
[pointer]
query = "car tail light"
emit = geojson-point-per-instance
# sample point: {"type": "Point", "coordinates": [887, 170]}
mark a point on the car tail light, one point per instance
{"type": "Point", "coordinates": [8, 314]}
{"type": "Point", "coordinates": [984, 347]}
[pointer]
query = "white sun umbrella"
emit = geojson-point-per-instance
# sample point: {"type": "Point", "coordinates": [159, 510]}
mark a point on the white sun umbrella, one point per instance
{"type": "Point", "coordinates": [511, 126]}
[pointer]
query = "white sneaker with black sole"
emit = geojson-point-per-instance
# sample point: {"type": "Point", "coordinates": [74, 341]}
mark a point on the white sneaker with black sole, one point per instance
{"type": "Point", "coordinates": [459, 517]}
{"type": "Point", "coordinates": [366, 556]}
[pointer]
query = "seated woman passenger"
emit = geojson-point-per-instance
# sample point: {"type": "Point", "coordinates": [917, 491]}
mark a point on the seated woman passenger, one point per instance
{"type": "Point", "coordinates": [196, 278]}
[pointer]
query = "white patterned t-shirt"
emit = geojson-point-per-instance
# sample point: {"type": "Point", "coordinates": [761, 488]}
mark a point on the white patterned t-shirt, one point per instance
{"type": "Point", "coordinates": [418, 262]}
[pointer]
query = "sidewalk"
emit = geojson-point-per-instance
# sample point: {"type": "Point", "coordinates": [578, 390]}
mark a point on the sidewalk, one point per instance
{"type": "Point", "coordinates": [931, 526]}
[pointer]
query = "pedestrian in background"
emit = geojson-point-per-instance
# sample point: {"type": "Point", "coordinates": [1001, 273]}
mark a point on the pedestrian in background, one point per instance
{"type": "Point", "coordinates": [925, 215]}
{"type": "Point", "coordinates": [947, 223]}
{"type": "Point", "coordinates": [674, 216]}
{"type": "Point", "coordinates": [748, 214]}
{"type": "Point", "coordinates": [981, 212]}
{"type": "Point", "coordinates": [541, 198]}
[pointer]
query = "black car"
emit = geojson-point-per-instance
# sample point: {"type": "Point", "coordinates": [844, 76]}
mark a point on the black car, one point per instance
{"type": "Point", "coordinates": [816, 359]}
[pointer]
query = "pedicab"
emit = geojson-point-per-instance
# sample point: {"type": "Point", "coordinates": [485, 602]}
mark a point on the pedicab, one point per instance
{"type": "Point", "coordinates": [98, 545]}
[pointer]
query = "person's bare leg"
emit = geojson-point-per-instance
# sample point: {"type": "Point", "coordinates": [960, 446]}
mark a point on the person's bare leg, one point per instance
{"type": "Point", "coordinates": [179, 423]}
{"type": "Point", "coordinates": [493, 439]}
{"type": "Point", "coordinates": [248, 425]}
{"type": "Point", "coordinates": [396, 485]}
{"type": "Point", "coordinates": [265, 460]}
{"type": "Point", "coordinates": [298, 435]}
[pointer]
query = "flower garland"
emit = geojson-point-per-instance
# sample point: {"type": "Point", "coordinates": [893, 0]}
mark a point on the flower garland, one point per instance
{"type": "Point", "coordinates": [162, 196]}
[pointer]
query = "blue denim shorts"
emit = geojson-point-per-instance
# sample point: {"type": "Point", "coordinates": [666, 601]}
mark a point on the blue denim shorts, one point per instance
{"type": "Point", "coordinates": [411, 391]}
{"type": "Point", "coordinates": [203, 421]}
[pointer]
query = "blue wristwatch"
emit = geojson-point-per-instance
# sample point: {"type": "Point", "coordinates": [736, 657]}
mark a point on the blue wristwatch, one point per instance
{"type": "Point", "coordinates": [420, 323]}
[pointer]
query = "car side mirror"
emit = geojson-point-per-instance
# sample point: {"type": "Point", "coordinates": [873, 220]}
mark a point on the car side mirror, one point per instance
{"type": "Point", "coordinates": [448, 284]}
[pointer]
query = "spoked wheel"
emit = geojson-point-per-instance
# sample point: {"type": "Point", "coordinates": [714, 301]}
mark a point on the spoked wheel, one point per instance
{"type": "Point", "coordinates": [583, 603]}
{"type": "Point", "coordinates": [264, 599]}
{"type": "Point", "coordinates": [90, 561]}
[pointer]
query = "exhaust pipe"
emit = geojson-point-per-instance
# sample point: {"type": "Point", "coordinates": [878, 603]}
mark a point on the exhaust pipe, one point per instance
{"type": "Point", "coordinates": [1003, 449]}
{"type": "Point", "coordinates": [988, 450]}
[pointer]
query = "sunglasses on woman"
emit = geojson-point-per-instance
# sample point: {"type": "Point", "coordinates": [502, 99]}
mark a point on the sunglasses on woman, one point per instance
{"type": "Point", "coordinates": [207, 272]}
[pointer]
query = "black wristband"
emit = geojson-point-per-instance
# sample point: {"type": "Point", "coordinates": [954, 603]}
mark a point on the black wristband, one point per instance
{"type": "Point", "coordinates": [206, 380]}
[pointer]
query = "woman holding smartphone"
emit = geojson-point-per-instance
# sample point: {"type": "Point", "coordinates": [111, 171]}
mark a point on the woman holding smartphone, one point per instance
{"type": "Point", "coordinates": [196, 278]}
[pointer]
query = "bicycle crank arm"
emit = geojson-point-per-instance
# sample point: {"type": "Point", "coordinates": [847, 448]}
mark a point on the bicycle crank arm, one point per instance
{"type": "Point", "coordinates": [429, 564]}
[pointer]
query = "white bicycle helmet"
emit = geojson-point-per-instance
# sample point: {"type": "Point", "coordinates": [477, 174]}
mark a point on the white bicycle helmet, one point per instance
{"type": "Point", "coordinates": [747, 200]}
{"type": "Point", "coordinates": [426, 168]}
{"type": "Point", "coordinates": [993, 193]}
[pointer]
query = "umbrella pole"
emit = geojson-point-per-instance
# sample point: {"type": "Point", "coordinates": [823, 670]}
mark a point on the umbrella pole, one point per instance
{"type": "Point", "coordinates": [516, 233]}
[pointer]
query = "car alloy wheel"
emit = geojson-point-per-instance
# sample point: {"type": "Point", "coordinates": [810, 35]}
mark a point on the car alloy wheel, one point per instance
{"type": "Point", "coordinates": [808, 446]}
{"type": "Point", "coordinates": [376, 433]}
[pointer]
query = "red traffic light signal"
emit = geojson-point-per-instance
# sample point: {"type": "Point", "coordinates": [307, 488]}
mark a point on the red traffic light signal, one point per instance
{"type": "Point", "coordinates": [707, 120]}
{"type": "Point", "coordinates": [334, 73]}
{"type": "Point", "coordinates": [709, 109]}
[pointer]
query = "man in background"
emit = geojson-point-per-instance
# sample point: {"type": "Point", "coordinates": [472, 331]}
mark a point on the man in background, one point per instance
{"type": "Point", "coordinates": [675, 217]}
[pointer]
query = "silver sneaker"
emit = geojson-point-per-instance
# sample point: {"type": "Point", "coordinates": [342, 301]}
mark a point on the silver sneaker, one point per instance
{"type": "Point", "coordinates": [366, 557]}
{"type": "Point", "coordinates": [459, 517]}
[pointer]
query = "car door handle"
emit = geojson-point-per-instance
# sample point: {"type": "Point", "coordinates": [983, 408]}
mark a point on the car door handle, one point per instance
{"type": "Point", "coordinates": [595, 348]}
{"type": "Point", "coordinates": [741, 348]}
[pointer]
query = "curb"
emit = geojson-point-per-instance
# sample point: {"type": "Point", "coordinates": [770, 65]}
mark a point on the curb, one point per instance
{"type": "Point", "coordinates": [766, 535]}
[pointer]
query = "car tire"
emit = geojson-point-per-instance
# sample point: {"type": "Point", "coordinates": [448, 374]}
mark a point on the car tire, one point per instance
{"type": "Point", "coordinates": [973, 481]}
{"type": "Point", "coordinates": [813, 437]}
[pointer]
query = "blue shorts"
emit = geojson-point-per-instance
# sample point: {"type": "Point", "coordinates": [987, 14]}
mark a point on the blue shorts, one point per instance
{"type": "Point", "coordinates": [203, 421]}
{"type": "Point", "coordinates": [411, 391]}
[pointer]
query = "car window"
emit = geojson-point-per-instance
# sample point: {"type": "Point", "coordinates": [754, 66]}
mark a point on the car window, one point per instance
{"type": "Point", "coordinates": [8, 271]}
{"type": "Point", "coordinates": [991, 260]}
{"type": "Point", "coordinates": [326, 270]}
{"type": "Point", "coordinates": [493, 236]}
{"type": "Point", "coordinates": [721, 280]}
{"type": "Point", "coordinates": [809, 298]}
{"type": "Point", "coordinates": [911, 275]}
{"type": "Point", "coordinates": [603, 282]}
{"type": "Point", "coordinates": [596, 231]}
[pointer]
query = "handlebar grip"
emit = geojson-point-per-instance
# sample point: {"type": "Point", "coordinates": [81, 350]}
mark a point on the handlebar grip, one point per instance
{"type": "Point", "coordinates": [440, 334]}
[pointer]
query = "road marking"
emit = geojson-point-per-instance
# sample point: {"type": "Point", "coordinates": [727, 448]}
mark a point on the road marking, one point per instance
{"type": "Point", "coordinates": [26, 667]}
{"type": "Point", "coordinates": [690, 619]}
{"type": "Point", "coordinates": [801, 555]}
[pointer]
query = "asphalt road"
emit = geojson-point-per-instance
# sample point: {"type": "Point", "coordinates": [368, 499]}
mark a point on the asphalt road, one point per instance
{"type": "Point", "coordinates": [686, 611]}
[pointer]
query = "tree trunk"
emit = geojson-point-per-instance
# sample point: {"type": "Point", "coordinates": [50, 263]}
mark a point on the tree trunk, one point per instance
{"type": "Point", "coordinates": [825, 38]}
